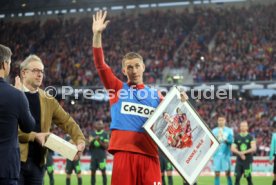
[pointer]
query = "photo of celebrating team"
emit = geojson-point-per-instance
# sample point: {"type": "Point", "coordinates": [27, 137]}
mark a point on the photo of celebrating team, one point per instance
{"type": "Point", "coordinates": [167, 92]}
{"type": "Point", "coordinates": [179, 132]}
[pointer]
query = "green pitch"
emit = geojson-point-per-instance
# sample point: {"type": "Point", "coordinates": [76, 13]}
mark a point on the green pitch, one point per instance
{"type": "Point", "coordinates": [60, 180]}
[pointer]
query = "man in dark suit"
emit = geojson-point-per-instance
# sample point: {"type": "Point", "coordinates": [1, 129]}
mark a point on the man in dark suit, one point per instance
{"type": "Point", "coordinates": [14, 111]}
{"type": "Point", "coordinates": [46, 111]}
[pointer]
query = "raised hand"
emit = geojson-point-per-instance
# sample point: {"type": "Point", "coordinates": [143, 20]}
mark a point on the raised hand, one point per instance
{"type": "Point", "coordinates": [99, 22]}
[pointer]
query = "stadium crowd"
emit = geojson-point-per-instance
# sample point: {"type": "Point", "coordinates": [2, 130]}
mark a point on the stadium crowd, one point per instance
{"type": "Point", "coordinates": [215, 44]}
{"type": "Point", "coordinates": [240, 50]}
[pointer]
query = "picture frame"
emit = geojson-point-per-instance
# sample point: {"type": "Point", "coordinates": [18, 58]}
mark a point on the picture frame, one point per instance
{"type": "Point", "coordinates": [181, 135]}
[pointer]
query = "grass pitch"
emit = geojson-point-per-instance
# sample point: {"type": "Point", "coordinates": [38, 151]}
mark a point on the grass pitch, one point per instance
{"type": "Point", "coordinates": [203, 180]}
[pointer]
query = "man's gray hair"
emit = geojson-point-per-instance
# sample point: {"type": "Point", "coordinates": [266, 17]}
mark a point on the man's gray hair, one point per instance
{"type": "Point", "coordinates": [30, 58]}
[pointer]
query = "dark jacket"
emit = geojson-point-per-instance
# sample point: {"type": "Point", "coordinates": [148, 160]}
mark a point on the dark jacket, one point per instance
{"type": "Point", "coordinates": [14, 111]}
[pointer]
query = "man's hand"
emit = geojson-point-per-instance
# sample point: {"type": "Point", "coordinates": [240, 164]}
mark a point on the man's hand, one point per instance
{"type": "Point", "coordinates": [41, 137]}
{"type": "Point", "coordinates": [18, 85]}
{"type": "Point", "coordinates": [99, 22]}
{"type": "Point", "coordinates": [242, 156]}
{"type": "Point", "coordinates": [81, 147]}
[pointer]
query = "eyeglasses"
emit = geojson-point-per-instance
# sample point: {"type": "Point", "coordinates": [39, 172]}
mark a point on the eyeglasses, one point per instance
{"type": "Point", "coordinates": [36, 71]}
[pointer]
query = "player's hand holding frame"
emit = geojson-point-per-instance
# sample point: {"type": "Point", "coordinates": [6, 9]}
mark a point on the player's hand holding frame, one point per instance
{"type": "Point", "coordinates": [184, 96]}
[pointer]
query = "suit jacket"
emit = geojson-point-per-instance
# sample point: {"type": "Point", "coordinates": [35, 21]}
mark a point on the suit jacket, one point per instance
{"type": "Point", "coordinates": [14, 111]}
{"type": "Point", "coordinates": [50, 112]}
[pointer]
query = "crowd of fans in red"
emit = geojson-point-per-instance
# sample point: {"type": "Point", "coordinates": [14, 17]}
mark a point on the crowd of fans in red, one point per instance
{"type": "Point", "coordinates": [215, 44]}
{"type": "Point", "coordinates": [232, 45]}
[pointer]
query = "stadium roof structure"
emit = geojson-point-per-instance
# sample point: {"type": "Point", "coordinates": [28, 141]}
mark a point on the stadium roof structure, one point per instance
{"type": "Point", "coordinates": [35, 6]}
{"type": "Point", "coordinates": [25, 8]}
{"type": "Point", "coordinates": [19, 5]}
